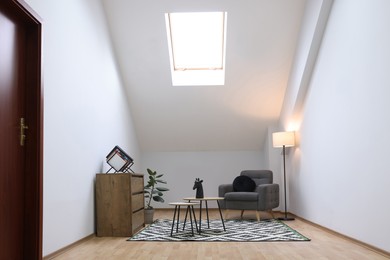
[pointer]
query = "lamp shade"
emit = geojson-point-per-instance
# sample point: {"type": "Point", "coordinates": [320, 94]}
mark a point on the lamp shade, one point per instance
{"type": "Point", "coordinates": [280, 139]}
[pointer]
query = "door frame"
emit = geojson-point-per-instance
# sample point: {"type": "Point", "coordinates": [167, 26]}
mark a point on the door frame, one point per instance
{"type": "Point", "coordinates": [33, 171]}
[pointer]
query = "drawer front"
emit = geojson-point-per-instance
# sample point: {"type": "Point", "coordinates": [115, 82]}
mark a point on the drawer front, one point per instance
{"type": "Point", "coordinates": [138, 220]}
{"type": "Point", "coordinates": [137, 184]}
{"type": "Point", "coordinates": [137, 202]}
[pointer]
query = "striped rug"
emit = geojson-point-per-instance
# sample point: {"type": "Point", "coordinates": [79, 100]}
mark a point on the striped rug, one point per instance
{"type": "Point", "coordinates": [236, 231]}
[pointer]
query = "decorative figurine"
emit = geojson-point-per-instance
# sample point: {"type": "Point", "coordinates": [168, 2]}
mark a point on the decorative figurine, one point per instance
{"type": "Point", "coordinates": [199, 188]}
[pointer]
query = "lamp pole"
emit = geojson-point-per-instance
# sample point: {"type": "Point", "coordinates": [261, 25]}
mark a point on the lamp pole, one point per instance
{"type": "Point", "coordinates": [285, 192]}
{"type": "Point", "coordinates": [284, 139]}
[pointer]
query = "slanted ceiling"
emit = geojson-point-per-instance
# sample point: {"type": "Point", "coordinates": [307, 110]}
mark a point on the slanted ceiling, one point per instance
{"type": "Point", "coordinates": [260, 44]}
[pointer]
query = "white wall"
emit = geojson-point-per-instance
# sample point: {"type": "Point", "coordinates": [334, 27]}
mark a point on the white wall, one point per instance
{"type": "Point", "coordinates": [214, 167]}
{"type": "Point", "coordinates": [339, 174]}
{"type": "Point", "coordinates": [86, 115]}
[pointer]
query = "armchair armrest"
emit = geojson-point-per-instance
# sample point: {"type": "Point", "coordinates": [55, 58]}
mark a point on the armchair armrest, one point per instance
{"type": "Point", "coordinates": [268, 196]}
{"type": "Point", "coordinates": [224, 188]}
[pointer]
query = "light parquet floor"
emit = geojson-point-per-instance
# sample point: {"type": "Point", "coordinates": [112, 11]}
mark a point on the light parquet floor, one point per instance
{"type": "Point", "coordinates": [323, 245]}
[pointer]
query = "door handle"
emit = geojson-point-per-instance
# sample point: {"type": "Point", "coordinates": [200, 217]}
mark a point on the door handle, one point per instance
{"type": "Point", "coordinates": [23, 127]}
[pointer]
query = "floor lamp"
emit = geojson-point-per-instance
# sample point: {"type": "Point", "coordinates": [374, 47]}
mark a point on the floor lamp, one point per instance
{"type": "Point", "coordinates": [284, 139]}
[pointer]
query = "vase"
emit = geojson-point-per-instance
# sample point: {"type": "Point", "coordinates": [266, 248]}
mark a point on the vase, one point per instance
{"type": "Point", "coordinates": [149, 213]}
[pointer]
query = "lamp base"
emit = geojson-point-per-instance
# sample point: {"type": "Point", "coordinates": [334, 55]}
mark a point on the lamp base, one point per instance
{"type": "Point", "coordinates": [286, 218]}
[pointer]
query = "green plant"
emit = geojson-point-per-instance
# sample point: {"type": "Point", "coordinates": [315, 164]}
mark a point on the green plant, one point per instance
{"type": "Point", "coordinates": [153, 192]}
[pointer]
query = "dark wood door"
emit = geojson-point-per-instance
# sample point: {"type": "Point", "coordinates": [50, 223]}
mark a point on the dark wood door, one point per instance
{"type": "Point", "coordinates": [11, 153]}
{"type": "Point", "coordinates": [20, 164]}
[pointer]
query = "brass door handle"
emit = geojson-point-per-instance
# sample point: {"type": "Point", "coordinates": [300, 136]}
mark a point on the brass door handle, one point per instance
{"type": "Point", "coordinates": [23, 127]}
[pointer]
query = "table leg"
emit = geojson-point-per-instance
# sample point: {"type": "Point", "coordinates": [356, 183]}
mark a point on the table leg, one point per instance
{"type": "Point", "coordinates": [193, 213]}
{"type": "Point", "coordinates": [207, 213]}
{"type": "Point", "coordinates": [200, 218]}
{"type": "Point", "coordinates": [192, 227]}
{"type": "Point", "coordinates": [177, 222]}
{"type": "Point", "coordinates": [185, 219]}
{"type": "Point", "coordinates": [194, 216]}
{"type": "Point", "coordinates": [220, 213]}
{"type": "Point", "coordinates": [173, 220]}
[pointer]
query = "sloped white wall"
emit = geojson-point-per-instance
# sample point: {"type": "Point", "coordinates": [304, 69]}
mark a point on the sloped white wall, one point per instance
{"type": "Point", "coordinates": [86, 115]}
{"type": "Point", "coordinates": [339, 171]}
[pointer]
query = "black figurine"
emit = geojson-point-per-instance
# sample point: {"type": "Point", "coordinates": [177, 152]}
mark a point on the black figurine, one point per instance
{"type": "Point", "coordinates": [199, 188]}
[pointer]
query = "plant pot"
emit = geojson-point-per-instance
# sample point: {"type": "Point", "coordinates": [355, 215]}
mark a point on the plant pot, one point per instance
{"type": "Point", "coordinates": [149, 213]}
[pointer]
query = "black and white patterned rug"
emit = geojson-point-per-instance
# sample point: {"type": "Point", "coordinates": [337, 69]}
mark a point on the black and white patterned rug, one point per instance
{"type": "Point", "coordinates": [236, 231]}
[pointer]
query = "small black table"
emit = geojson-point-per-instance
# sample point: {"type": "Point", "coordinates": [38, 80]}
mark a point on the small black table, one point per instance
{"type": "Point", "coordinates": [206, 199]}
{"type": "Point", "coordinates": [190, 207]}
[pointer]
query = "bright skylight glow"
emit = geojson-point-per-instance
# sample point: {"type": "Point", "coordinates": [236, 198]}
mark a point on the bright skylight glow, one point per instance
{"type": "Point", "coordinates": [197, 47]}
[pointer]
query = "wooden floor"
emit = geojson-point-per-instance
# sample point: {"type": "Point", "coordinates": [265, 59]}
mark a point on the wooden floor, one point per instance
{"type": "Point", "coordinates": [323, 245]}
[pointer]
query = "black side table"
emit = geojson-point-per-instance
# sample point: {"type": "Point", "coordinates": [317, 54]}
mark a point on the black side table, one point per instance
{"type": "Point", "coordinates": [206, 199]}
{"type": "Point", "coordinates": [190, 208]}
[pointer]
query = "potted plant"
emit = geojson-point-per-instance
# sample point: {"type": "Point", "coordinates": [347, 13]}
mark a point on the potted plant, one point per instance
{"type": "Point", "coordinates": [153, 192]}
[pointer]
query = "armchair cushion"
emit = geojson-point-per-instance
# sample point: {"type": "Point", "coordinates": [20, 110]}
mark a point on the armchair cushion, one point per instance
{"type": "Point", "coordinates": [244, 183]}
{"type": "Point", "coordinates": [242, 196]}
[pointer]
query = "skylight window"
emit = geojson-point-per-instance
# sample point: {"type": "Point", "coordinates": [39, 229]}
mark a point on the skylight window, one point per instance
{"type": "Point", "coordinates": [197, 47]}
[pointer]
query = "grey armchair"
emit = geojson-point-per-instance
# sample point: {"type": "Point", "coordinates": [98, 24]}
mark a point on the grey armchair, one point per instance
{"type": "Point", "coordinates": [265, 197]}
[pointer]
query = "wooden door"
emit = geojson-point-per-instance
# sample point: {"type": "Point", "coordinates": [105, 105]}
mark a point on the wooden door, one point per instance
{"type": "Point", "coordinates": [12, 154]}
{"type": "Point", "coordinates": [20, 158]}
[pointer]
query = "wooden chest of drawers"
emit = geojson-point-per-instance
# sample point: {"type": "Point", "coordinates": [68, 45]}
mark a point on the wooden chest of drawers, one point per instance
{"type": "Point", "coordinates": [119, 204]}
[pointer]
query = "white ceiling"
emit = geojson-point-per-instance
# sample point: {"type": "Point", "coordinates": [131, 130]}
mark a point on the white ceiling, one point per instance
{"type": "Point", "coordinates": [260, 44]}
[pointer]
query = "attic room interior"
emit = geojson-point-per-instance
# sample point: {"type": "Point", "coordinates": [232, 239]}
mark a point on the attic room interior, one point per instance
{"type": "Point", "coordinates": [318, 68]}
